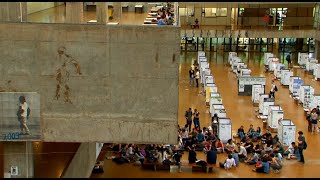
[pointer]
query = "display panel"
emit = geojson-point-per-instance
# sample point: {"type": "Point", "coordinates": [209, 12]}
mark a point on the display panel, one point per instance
{"type": "Point", "coordinates": [20, 116]}
{"type": "Point", "coordinates": [225, 129]}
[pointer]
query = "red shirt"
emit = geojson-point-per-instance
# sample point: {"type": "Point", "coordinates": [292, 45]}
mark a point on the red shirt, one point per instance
{"type": "Point", "coordinates": [266, 18]}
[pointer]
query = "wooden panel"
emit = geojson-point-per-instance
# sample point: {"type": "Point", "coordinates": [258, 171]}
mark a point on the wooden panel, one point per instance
{"type": "Point", "coordinates": [251, 12]}
{"type": "Point", "coordinates": [262, 11]}
{"type": "Point", "coordinates": [302, 12]}
{"type": "Point", "coordinates": [310, 12]}
{"type": "Point", "coordinates": [292, 12]}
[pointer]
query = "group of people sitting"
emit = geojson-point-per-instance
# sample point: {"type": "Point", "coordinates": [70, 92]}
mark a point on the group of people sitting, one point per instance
{"type": "Point", "coordinates": [167, 14]}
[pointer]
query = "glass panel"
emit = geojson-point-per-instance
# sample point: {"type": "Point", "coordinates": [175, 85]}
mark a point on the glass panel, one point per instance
{"type": "Point", "coordinates": [223, 12]}
{"type": "Point", "coordinates": [183, 11]}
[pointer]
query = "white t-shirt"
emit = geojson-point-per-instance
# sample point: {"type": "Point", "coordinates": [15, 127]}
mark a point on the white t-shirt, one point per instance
{"type": "Point", "coordinates": [130, 150]}
{"type": "Point", "coordinates": [272, 88]}
{"type": "Point", "coordinates": [197, 75]}
{"type": "Point", "coordinates": [243, 151]}
{"type": "Point", "coordinates": [24, 106]}
{"type": "Point", "coordinates": [291, 149]}
{"type": "Point", "coordinates": [229, 163]}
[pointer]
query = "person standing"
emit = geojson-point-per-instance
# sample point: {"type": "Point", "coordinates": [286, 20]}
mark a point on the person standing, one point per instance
{"type": "Point", "coordinates": [196, 120]}
{"type": "Point", "coordinates": [197, 77]}
{"type": "Point", "coordinates": [266, 21]}
{"type": "Point", "coordinates": [273, 90]}
{"type": "Point", "coordinates": [192, 157]}
{"type": "Point", "coordinates": [23, 115]}
{"type": "Point", "coordinates": [212, 156]}
{"type": "Point", "coordinates": [188, 116]}
{"type": "Point", "coordinates": [314, 121]}
{"type": "Point", "coordinates": [288, 58]}
{"type": "Point", "coordinates": [301, 145]}
{"type": "Point", "coordinates": [191, 76]}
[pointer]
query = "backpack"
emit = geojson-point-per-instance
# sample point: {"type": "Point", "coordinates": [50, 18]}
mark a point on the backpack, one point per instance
{"type": "Point", "coordinates": [275, 88]}
{"type": "Point", "coordinates": [305, 145]}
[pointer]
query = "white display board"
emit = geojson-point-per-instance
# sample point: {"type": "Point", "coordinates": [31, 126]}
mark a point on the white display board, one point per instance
{"type": "Point", "coordinates": [274, 114]}
{"type": "Point", "coordinates": [200, 53]}
{"type": "Point", "coordinates": [257, 89]}
{"type": "Point", "coordinates": [285, 77]}
{"type": "Point", "coordinates": [302, 58]}
{"type": "Point", "coordinates": [265, 105]}
{"type": "Point", "coordinates": [266, 57]}
{"type": "Point", "coordinates": [315, 101]}
{"type": "Point", "coordinates": [316, 71]}
{"type": "Point", "coordinates": [296, 83]}
{"type": "Point", "coordinates": [305, 95]}
{"type": "Point", "coordinates": [215, 107]}
{"type": "Point", "coordinates": [225, 129]}
{"type": "Point", "coordinates": [204, 72]}
{"type": "Point", "coordinates": [277, 70]}
{"type": "Point", "coordinates": [240, 65]}
{"type": "Point", "coordinates": [211, 88]}
{"type": "Point", "coordinates": [261, 102]}
{"type": "Point", "coordinates": [208, 80]}
{"type": "Point", "coordinates": [286, 132]}
{"type": "Point", "coordinates": [231, 54]}
{"type": "Point", "coordinates": [245, 73]}
{"type": "Point", "coordinates": [272, 63]}
{"type": "Point", "coordinates": [220, 112]}
{"type": "Point", "coordinates": [291, 83]}
{"type": "Point", "coordinates": [311, 64]}
{"type": "Point", "coordinates": [235, 62]}
{"type": "Point", "coordinates": [242, 81]}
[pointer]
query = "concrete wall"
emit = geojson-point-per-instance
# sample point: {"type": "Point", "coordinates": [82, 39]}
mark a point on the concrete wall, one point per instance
{"type": "Point", "coordinates": [128, 88]}
{"type": "Point", "coordinates": [82, 163]}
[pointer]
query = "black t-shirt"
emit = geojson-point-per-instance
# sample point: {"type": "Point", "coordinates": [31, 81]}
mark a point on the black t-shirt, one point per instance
{"type": "Point", "coordinates": [192, 156]}
{"type": "Point", "coordinates": [240, 130]}
{"type": "Point", "coordinates": [247, 144]}
{"type": "Point", "coordinates": [191, 73]}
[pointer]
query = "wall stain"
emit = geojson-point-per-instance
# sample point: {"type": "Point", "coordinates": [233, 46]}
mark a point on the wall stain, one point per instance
{"type": "Point", "coordinates": [63, 73]}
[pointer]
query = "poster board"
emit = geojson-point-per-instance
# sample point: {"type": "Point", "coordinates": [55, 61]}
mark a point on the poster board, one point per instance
{"type": "Point", "coordinates": [286, 132]}
{"type": "Point", "coordinates": [245, 73]}
{"type": "Point", "coordinates": [235, 61]}
{"type": "Point", "coordinates": [305, 95]}
{"type": "Point", "coordinates": [200, 53]}
{"type": "Point", "coordinates": [266, 57]}
{"type": "Point", "coordinates": [220, 112]}
{"type": "Point", "coordinates": [261, 101]}
{"type": "Point", "coordinates": [240, 65]}
{"type": "Point", "coordinates": [211, 88]}
{"type": "Point", "coordinates": [296, 83]}
{"type": "Point", "coordinates": [214, 100]}
{"type": "Point", "coordinates": [265, 105]}
{"type": "Point", "coordinates": [310, 64]}
{"type": "Point", "coordinates": [11, 123]}
{"type": "Point", "coordinates": [215, 107]}
{"type": "Point", "coordinates": [204, 72]}
{"type": "Point", "coordinates": [225, 129]}
{"type": "Point", "coordinates": [275, 113]}
{"type": "Point", "coordinates": [277, 70]}
{"type": "Point", "coordinates": [208, 80]}
{"type": "Point", "coordinates": [292, 78]}
{"type": "Point", "coordinates": [245, 84]}
{"type": "Point", "coordinates": [315, 100]}
{"type": "Point", "coordinates": [285, 77]}
{"type": "Point", "coordinates": [302, 58]}
{"type": "Point", "coordinates": [231, 54]}
{"type": "Point", "coordinates": [257, 89]}
{"type": "Point", "coordinates": [272, 63]}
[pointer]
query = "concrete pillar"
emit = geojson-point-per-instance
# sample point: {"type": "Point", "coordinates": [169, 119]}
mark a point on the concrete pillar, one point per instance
{"type": "Point", "coordinates": [13, 11]}
{"type": "Point", "coordinates": [19, 154]}
{"type": "Point", "coordinates": [83, 162]}
{"type": "Point", "coordinates": [74, 12]}
{"type": "Point", "coordinates": [102, 12]}
{"type": "Point", "coordinates": [176, 15]}
{"type": "Point", "coordinates": [117, 11]}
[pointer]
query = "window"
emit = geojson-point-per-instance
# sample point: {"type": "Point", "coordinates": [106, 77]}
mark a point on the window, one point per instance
{"type": "Point", "coordinates": [186, 11]}
{"type": "Point", "coordinates": [214, 12]}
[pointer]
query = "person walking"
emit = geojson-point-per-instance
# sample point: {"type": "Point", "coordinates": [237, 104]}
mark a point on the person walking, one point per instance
{"type": "Point", "coordinates": [301, 145]}
{"type": "Point", "coordinates": [188, 116]}
{"type": "Point", "coordinates": [314, 121]}
{"type": "Point", "coordinates": [197, 77]}
{"type": "Point", "coordinates": [288, 58]}
{"type": "Point", "coordinates": [196, 120]}
{"type": "Point", "coordinates": [191, 76]}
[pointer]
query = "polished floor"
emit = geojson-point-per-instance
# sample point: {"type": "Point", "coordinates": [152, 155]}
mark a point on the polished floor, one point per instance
{"type": "Point", "coordinates": [241, 111]}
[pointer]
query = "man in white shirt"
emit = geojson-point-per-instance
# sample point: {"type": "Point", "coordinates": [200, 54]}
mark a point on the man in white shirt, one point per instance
{"type": "Point", "coordinates": [23, 114]}
{"type": "Point", "coordinates": [242, 151]}
{"type": "Point", "coordinates": [197, 77]}
{"type": "Point", "coordinates": [228, 163]}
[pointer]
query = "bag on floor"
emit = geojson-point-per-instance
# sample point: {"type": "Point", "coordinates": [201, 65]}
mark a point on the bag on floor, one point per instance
{"type": "Point", "coordinates": [202, 163]}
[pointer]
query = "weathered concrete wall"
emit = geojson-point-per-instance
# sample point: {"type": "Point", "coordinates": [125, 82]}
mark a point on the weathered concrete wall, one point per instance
{"type": "Point", "coordinates": [125, 89]}
{"type": "Point", "coordinates": [83, 161]}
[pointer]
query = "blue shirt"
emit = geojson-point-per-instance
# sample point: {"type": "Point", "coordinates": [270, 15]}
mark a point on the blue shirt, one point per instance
{"type": "Point", "coordinates": [200, 137]}
{"type": "Point", "coordinates": [236, 158]}
{"type": "Point", "coordinates": [266, 167]}
{"type": "Point", "coordinates": [212, 157]}
{"type": "Point", "coordinates": [160, 22]}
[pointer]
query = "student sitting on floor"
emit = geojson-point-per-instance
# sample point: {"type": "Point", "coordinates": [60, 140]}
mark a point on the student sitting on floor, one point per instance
{"type": "Point", "coordinates": [275, 163]}
{"type": "Point", "coordinates": [228, 163]}
{"type": "Point", "coordinates": [253, 159]}
{"type": "Point", "coordinates": [262, 166]}
{"type": "Point", "coordinates": [295, 154]}
{"type": "Point", "coordinates": [230, 146]}
{"type": "Point", "coordinates": [98, 167]}
{"type": "Point", "coordinates": [219, 146]}
{"type": "Point", "coordinates": [290, 149]}
{"type": "Point", "coordinates": [235, 156]}
{"type": "Point", "coordinates": [242, 152]}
